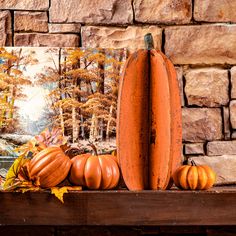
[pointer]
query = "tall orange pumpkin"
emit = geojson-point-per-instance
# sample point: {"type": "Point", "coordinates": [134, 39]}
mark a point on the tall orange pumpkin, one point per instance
{"type": "Point", "coordinates": [149, 132]}
{"type": "Point", "coordinates": [49, 167]}
{"type": "Point", "coordinates": [95, 171]}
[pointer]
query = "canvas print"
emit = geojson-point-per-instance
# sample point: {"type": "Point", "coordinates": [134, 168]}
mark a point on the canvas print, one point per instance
{"type": "Point", "coordinates": [61, 93]}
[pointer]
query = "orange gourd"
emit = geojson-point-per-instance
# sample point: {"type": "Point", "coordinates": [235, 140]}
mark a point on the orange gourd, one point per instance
{"type": "Point", "coordinates": [149, 127]}
{"type": "Point", "coordinates": [194, 177]}
{"type": "Point", "coordinates": [49, 167]}
{"type": "Point", "coordinates": [95, 171]}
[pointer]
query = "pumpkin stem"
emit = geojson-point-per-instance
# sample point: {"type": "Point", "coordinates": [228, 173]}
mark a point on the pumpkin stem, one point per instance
{"type": "Point", "coordinates": [148, 39]}
{"type": "Point", "coordinates": [193, 163]}
{"type": "Point", "coordinates": [94, 148]}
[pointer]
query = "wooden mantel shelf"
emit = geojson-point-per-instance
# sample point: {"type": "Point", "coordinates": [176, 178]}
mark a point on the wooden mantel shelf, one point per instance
{"type": "Point", "coordinates": [122, 208]}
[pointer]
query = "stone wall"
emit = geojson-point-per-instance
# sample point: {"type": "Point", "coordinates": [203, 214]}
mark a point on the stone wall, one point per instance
{"type": "Point", "coordinates": [198, 36]}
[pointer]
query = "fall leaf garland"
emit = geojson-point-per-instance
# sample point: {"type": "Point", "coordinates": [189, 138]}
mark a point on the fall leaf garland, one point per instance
{"type": "Point", "coordinates": [17, 178]}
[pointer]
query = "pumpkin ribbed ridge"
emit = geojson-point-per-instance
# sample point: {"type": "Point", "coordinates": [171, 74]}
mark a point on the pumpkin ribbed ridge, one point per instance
{"type": "Point", "coordinates": [194, 177]}
{"type": "Point", "coordinates": [95, 172]}
{"type": "Point", "coordinates": [53, 178]}
{"type": "Point", "coordinates": [41, 155]}
{"type": "Point", "coordinates": [49, 167]}
{"type": "Point", "coordinates": [42, 162]}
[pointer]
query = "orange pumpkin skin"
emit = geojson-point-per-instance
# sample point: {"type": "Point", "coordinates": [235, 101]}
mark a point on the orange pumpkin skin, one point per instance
{"type": "Point", "coordinates": [95, 172]}
{"type": "Point", "coordinates": [149, 122]}
{"type": "Point", "coordinates": [200, 177]}
{"type": "Point", "coordinates": [49, 167]}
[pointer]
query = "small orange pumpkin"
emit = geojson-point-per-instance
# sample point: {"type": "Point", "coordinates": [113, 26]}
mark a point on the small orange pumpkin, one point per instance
{"type": "Point", "coordinates": [49, 167]}
{"type": "Point", "coordinates": [95, 171]}
{"type": "Point", "coordinates": [194, 177]}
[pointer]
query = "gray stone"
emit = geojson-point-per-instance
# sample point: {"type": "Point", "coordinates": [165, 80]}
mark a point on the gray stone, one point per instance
{"type": "Point", "coordinates": [64, 28]}
{"type": "Point", "coordinates": [207, 87]}
{"type": "Point", "coordinates": [50, 40]}
{"type": "Point", "coordinates": [201, 44]}
{"type": "Point", "coordinates": [233, 82]}
{"type": "Point", "coordinates": [24, 4]}
{"type": "Point", "coordinates": [94, 12]}
{"type": "Point", "coordinates": [232, 109]}
{"type": "Point", "coordinates": [215, 10]}
{"type": "Point", "coordinates": [114, 37]}
{"type": "Point", "coordinates": [168, 11]}
{"type": "Point", "coordinates": [233, 135]}
{"type": "Point", "coordinates": [194, 148]}
{"type": "Point", "coordinates": [218, 148]}
{"type": "Point", "coordinates": [226, 121]}
{"type": "Point", "coordinates": [30, 21]}
{"type": "Point", "coordinates": [5, 28]}
{"type": "Point", "coordinates": [201, 124]}
{"type": "Point", "coordinates": [179, 72]}
{"type": "Point", "coordinates": [224, 167]}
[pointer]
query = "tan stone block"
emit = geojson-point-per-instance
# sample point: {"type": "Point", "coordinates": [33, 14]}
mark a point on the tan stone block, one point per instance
{"type": "Point", "coordinates": [131, 37]}
{"type": "Point", "coordinates": [226, 120]}
{"type": "Point", "coordinates": [179, 72]}
{"type": "Point", "coordinates": [5, 28]}
{"type": "Point", "coordinates": [168, 11]}
{"type": "Point", "coordinates": [30, 21]}
{"type": "Point", "coordinates": [201, 124]}
{"type": "Point", "coordinates": [64, 28]}
{"type": "Point", "coordinates": [48, 40]}
{"type": "Point", "coordinates": [201, 44]}
{"type": "Point", "coordinates": [207, 87]}
{"type": "Point", "coordinates": [24, 4]}
{"type": "Point", "coordinates": [232, 109]}
{"type": "Point", "coordinates": [218, 148]}
{"type": "Point", "coordinates": [215, 10]}
{"type": "Point", "coordinates": [233, 82]}
{"type": "Point", "coordinates": [233, 135]}
{"type": "Point", "coordinates": [194, 148]}
{"type": "Point", "coordinates": [95, 12]}
{"type": "Point", "coordinates": [224, 166]}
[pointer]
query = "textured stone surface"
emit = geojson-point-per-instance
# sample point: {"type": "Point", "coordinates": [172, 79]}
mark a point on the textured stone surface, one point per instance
{"type": "Point", "coordinates": [201, 44]}
{"type": "Point", "coordinates": [5, 28]}
{"type": "Point", "coordinates": [217, 148]}
{"type": "Point", "coordinates": [232, 109]}
{"type": "Point", "coordinates": [201, 124]}
{"type": "Point", "coordinates": [233, 135]}
{"type": "Point", "coordinates": [30, 21]}
{"type": "Point", "coordinates": [168, 11]}
{"type": "Point", "coordinates": [194, 148]}
{"type": "Point", "coordinates": [215, 10]}
{"type": "Point", "coordinates": [64, 28]}
{"type": "Point", "coordinates": [179, 72]}
{"type": "Point", "coordinates": [207, 87]}
{"type": "Point", "coordinates": [24, 4]}
{"type": "Point", "coordinates": [224, 166]}
{"type": "Point", "coordinates": [95, 12]}
{"type": "Point", "coordinates": [226, 121]}
{"type": "Point", "coordinates": [53, 40]}
{"type": "Point", "coordinates": [113, 37]}
{"type": "Point", "coordinates": [233, 82]}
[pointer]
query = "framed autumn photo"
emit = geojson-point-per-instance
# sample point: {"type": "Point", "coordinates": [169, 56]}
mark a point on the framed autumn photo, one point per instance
{"type": "Point", "coordinates": [57, 96]}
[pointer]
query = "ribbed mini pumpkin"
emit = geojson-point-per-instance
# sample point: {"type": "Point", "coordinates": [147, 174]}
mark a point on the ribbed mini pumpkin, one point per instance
{"type": "Point", "coordinates": [95, 171]}
{"type": "Point", "coordinates": [49, 167]}
{"type": "Point", "coordinates": [194, 177]}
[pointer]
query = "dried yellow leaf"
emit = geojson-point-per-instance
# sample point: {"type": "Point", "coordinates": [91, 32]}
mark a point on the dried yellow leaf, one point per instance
{"type": "Point", "coordinates": [14, 170]}
{"type": "Point", "coordinates": [59, 192]}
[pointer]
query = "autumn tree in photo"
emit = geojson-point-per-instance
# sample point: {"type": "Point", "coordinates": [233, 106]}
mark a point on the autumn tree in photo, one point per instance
{"type": "Point", "coordinates": [96, 89]}
{"type": "Point", "coordinates": [84, 97]}
{"type": "Point", "coordinates": [12, 64]}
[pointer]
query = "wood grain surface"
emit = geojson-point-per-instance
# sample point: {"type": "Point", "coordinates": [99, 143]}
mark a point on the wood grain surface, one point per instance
{"type": "Point", "coordinates": [121, 208]}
